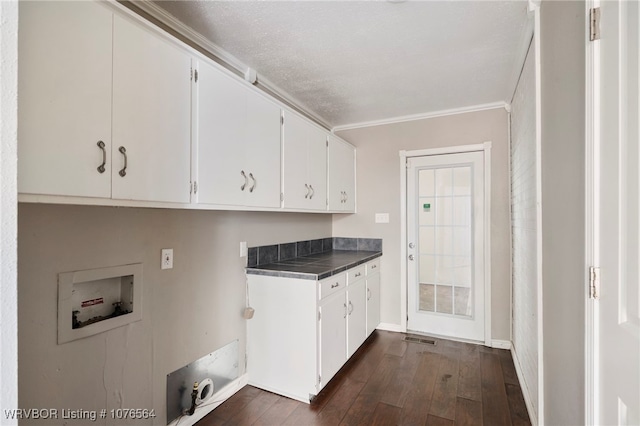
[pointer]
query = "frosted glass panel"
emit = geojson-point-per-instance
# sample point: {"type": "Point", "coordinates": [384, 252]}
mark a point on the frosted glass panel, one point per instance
{"type": "Point", "coordinates": [427, 211]}
{"type": "Point", "coordinates": [427, 240]}
{"type": "Point", "coordinates": [444, 270]}
{"type": "Point", "coordinates": [461, 242]}
{"type": "Point", "coordinates": [462, 211]}
{"type": "Point", "coordinates": [444, 182]}
{"type": "Point", "coordinates": [444, 241]}
{"type": "Point", "coordinates": [445, 215]}
{"type": "Point", "coordinates": [427, 269]}
{"type": "Point", "coordinates": [462, 181]}
{"type": "Point", "coordinates": [426, 187]}
{"type": "Point", "coordinates": [444, 211]}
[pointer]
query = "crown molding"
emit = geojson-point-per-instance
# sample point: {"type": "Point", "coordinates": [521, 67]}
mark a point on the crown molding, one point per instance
{"type": "Point", "coordinates": [208, 48]}
{"type": "Point", "coordinates": [422, 116]}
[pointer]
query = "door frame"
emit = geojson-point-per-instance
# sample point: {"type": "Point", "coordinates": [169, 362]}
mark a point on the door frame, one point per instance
{"type": "Point", "coordinates": [592, 219]}
{"type": "Point", "coordinates": [404, 155]}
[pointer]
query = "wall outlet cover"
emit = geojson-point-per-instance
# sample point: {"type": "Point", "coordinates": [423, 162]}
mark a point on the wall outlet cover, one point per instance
{"type": "Point", "coordinates": [382, 217]}
{"type": "Point", "coordinates": [167, 259]}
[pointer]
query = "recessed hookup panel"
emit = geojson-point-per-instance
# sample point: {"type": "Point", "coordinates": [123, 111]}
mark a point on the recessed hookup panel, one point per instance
{"type": "Point", "coordinates": [96, 300]}
{"type": "Point", "coordinates": [212, 372]}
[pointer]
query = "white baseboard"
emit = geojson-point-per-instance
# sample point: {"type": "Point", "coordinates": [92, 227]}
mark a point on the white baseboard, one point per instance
{"type": "Point", "coordinates": [501, 344]}
{"type": "Point", "coordinates": [202, 410]}
{"type": "Point", "coordinates": [391, 327]}
{"type": "Point", "coordinates": [525, 389]}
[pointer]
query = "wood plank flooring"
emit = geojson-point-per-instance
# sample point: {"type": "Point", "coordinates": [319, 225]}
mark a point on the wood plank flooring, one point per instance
{"type": "Point", "coordinates": [393, 382]}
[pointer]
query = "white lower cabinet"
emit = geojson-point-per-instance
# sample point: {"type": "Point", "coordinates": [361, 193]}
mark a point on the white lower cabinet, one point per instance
{"type": "Point", "coordinates": [303, 331]}
{"type": "Point", "coordinates": [373, 295]}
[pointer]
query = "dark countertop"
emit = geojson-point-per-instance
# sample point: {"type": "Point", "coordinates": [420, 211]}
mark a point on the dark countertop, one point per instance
{"type": "Point", "coordinates": [317, 266]}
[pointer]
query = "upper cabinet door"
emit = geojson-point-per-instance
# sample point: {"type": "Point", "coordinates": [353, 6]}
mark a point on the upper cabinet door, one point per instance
{"type": "Point", "coordinates": [65, 99]}
{"type": "Point", "coordinates": [317, 168]}
{"type": "Point", "coordinates": [304, 175]}
{"type": "Point", "coordinates": [151, 116]}
{"type": "Point", "coordinates": [341, 169]}
{"type": "Point", "coordinates": [237, 143]}
{"type": "Point", "coordinates": [220, 112]}
{"type": "Point", "coordinates": [294, 168]}
{"type": "Point", "coordinates": [262, 151]}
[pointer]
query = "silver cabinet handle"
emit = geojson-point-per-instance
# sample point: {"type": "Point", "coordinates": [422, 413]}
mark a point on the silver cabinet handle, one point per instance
{"type": "Point", "coordinates": [368, 294]}
{"type": "Point", "coordinates": [335, 285]}
{"type": "Point", "coordinates": [374, 266]}
{"type": "Point", "coordinates": [350, 307]}
{"type": "Point", "coordinates": [411, 245]}
{"type": "Point", "coordinates": [312, 191]}
{"type": "Point", "coordinates": [346, 197]}
{"type": "Point", "coordinates": [358, 274]}
{"type": "Point", "coordinates": [342, 196]}
{"type": "Point", "coordinates": [123, 151]}
{"type": "Point", "coordinates": [244, 185]}
{"type": "Point", "coordinates": [104, 157]}
{"type": "Point", "coordinates": [253, 186]}
{"type": "Point", "coordinates": [307, 194]}
{"type": "Point", "coordinates": [345, 310]}
{"type": "Point", "coordinates": [410, 258]}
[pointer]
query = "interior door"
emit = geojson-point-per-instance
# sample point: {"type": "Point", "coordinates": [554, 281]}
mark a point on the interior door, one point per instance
{"type": "Point", "coordinates": [445, 225]}
{"type": "Point", "coordinates": [618, 352]}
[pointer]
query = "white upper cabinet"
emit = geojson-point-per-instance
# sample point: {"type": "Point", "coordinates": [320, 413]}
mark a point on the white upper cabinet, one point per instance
{"type": "Point", "coordinates": [341, 176]}
{"type": "Point", "coordinates": [64, 120]}
{"type": "Point", "coordinates": [236, 143]}
{"type": "Point", "coordinates": [151, 147]}
{"type": "Point", "coordinates": [304, 169]}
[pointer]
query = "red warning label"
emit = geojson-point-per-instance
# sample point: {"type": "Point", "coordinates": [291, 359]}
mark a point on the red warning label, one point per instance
{"type": "Point", "coordinates": [92, 302]}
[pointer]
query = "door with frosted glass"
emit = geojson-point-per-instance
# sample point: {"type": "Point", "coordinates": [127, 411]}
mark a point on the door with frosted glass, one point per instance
{"type": "Point", "coordinates": [445, 264]}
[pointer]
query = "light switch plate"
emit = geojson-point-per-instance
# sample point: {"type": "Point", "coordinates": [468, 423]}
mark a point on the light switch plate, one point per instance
{"type": "Point", "coordinates": [243, 249]}
{"type": "Point", "coordinates": [167, 259]}
{"type": "Point", "coordinates": [382, 217]}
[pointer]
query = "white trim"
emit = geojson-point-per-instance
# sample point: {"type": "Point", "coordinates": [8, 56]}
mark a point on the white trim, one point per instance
{"type": "Point", "coordinates": [392, 327]}
{"type": "Point", "coordinates": [404, 155]}
{"type": "Point", "coordinates": [213, 51]}
{"type": "Point", "coordinates": [592, 218]}
{"type": "Point", "coordinates": [525, 390]}
{"type": "Point", "coordinates": [510, 227]}
{"type": "Point", "coordinates": [521, 56]}
{"type": "Point", "coordinates": [539, 415]}
{"type": "Point", "coordinates": [8, 208]}
{"type": "Point", "coordinates": [224, 394]}
{"type": "Point", "coordinates": [501, 344]}
{"type": "Point", "coordinates": [422, 116]}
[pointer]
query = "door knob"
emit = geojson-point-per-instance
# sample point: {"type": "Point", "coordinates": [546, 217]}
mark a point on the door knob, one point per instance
{"type": "Point", "coordinates": [411, 257]}
{"type": "Point", "coordinates": [411, 245]}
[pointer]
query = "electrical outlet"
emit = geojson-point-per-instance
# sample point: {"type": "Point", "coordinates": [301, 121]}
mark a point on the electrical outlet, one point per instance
{"type": "Point", "coordinates": [167, 259]}
{"type": "Point", "coordinates": [244, 251]}
{"type": "Point", "coordinates": [382, 217]}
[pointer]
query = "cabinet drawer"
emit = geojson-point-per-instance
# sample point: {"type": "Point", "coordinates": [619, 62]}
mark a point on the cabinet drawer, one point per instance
{"type": "Point", "coordinates": [332, 285]}
{"type": "Point", "coordinates": [373, 266]}
{"type": "Point", "coordinates": [355, 274]}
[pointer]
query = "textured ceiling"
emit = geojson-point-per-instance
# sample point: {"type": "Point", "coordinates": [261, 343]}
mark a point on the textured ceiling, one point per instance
{"type": "Point", "coordinates": [353, 61]}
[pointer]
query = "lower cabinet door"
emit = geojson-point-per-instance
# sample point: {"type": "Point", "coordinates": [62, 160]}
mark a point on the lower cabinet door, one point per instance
{"type": "Point", "coordinates": [356, 316]}
{"type": "Point", "coordinates": [333, 335]}
{"type": "Point", "coordinates": [373, 302]}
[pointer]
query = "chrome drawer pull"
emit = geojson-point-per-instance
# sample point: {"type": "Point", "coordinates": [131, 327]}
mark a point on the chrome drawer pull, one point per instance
{"type": "Point", "coordinates": [123, 151]}
{"type": "Point", "coordinates": [368, 294]}
{"type": "Point", "coordinates": [345, 311]}
{"type": "Point", "coordinates": [307, 194]}
{"type": "Point", "coordinates": [335, 285]}
{"type": "Point", "coordinates": [104, 157]}
{"type": "Point", "coordinates": [244, 185]}
{"type": "Point", "coordinates": [312, 192]}
{"type": "Point", "coordinates": [254, 182]}
{"type": "Point", "coordinates": [350, 307]}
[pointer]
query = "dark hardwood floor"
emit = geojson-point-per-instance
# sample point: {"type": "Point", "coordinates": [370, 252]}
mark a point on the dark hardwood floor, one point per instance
{"type": "Point", "coordinates": [393, 382]}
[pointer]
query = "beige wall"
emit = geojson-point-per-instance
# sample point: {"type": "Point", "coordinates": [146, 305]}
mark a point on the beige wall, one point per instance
{"type": "Point", "coordinates": [188, 312]}
{"type": "Point", "coordinates": [378, 191]}
{"type": "Point", "coordinates": [562, 56]}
